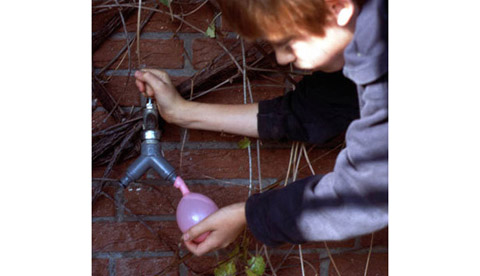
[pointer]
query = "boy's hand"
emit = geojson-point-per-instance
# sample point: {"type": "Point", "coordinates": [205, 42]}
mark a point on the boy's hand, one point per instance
{"type": "Point", "coordinates": [224, 226]}
{"type": "Point", "coordinates": [157, 84]}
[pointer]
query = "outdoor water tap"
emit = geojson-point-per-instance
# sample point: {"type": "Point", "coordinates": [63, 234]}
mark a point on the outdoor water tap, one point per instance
{"type": "Point", "coordinates": [150, 156]}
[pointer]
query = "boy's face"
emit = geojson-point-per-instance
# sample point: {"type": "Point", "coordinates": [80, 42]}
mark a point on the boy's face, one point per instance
{"type": "Point", "coordinates": [313, 52]}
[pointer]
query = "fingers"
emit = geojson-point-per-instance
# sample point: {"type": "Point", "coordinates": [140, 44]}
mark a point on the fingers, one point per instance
{"type": "Point", "coordinates": [222, 227]}
{"type": "Point", "coordinates": [192, 247]}
{"type": "Point", "coordinates": [162, 75]}
{"type": "Point", "coordinates": [201, 248]}
{"type": "Point", "coordinates": [199, 239]}
{"type": "Point", "coordinates": [150, 81]}
{"type": "Point", "coordinates": [212, 242]}
{"type": "Point", "coordinates": [149, 78]}
{"type": "Point", "coordinates": [140, 85]}
{"type": "Point", "coordinates": [158, 75]}
{"type": "Point", "coordinates": [146, 81]}
{"type": "Point", "coordinates": [197, 230]}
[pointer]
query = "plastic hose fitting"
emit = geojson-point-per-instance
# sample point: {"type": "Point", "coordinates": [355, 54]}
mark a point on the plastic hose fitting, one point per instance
{"type": "Point", "coordinates": [150, 156]}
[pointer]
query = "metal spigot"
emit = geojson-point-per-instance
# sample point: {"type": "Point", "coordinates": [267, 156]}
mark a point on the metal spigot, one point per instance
{"type": "Point", "coordinates": [150, 156]}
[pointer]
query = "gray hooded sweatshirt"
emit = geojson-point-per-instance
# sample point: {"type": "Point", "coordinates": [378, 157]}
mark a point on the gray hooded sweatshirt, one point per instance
{"type": "Point", "coordinates": [351, 200]}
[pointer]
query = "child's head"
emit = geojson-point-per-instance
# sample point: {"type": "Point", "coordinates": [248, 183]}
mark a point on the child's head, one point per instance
{"type": "Point", "coordinates": [310, 33]}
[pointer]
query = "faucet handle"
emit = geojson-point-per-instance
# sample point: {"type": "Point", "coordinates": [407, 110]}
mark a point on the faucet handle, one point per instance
{"type": "Point", "coordinates": [149, 102]}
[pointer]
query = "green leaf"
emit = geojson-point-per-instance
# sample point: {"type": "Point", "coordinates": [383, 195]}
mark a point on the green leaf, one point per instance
{"type": "Point", "coordinates": [256, 266]}
{"type": "Point", "coordinates": [210, 32]}
{"type": "Point", "coordinates": [226, 269]}
{"type": "Point", "coordinates": [234, 252]}
{"type": "Point", "coordinates": [244, 143]}
{"type": "Point", "coordinates": [165, 2]}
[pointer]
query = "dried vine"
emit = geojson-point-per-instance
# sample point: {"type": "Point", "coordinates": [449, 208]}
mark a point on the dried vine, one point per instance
{"type": "Point", "coordinates": [98, 38]}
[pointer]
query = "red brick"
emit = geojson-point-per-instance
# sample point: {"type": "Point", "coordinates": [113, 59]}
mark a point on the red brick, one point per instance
{"type": "Point", "coordinates": [104, 207]}
{"type": "Point", "coordinates": [125, 94]}
{"type": "Point", "coordinates": [97, 120]}
{"type": "Point", "coordinates": [117, 171]}
{"type": "Point", "coordinates": [276, 168]}
{"type": "Point", "coordinates": [350, 264]}
{"type": "Point", "coordinates": [200, 19]}
{"type": "Point", "coordinates": [222, 195]}
{"type": "Point", "coordinates": [218, 164]}
{"type": "Point", "coordinates": [206, 163]}
{"type": "Point", "coordinates": [100, 19]}
{"type": "Point", "coordinates": [226, 95]}
{"type": "Point", "coordinates": [107, 51]}
{"type": "Point", "coordinates": [233, 163]}
{"type": "Point", "coordinates": [161, 22]}
{"type": "Point", "coordinates": [380, 238]}
{"type": "Point", "coordinates": [145, 266]}
{"type": "Point", "coordinates": [171, 133]}
{"type": "Point", "coordinates": [213, 136]}
{"type": "Point", "coordinates": [134, 236]}
{"type": "Point", "coordinates": [200, 265]}
{"type": "Point", "coordinates": [176, 80]}
{"type": "Point", "coordinates": [233, 94]}
{"type": "Point", "coordinates": [310, 245]}
{"type": "Point", "coordinates": [162, 53]}
{"type": "Point", "coordinates": [331, 245]}
{"type": "Point", "coordinates": [263, 89]}
{"type": "Point", "coordinates": [206, 49]}
{"type": "Point", "coordinates": [292, 265]}
{"type": "Point", "coordinates": [144, 199]}
{"type": "Point", "coordinates": [322, 161]}
{"type": "Point", "coordinates": [100, 267]}
{"type": "Point", "coordinates": [155, 53]}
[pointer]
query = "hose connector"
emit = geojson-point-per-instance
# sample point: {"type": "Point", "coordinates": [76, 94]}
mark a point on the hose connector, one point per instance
{"type": "Point", "coordinates": [150, 156]}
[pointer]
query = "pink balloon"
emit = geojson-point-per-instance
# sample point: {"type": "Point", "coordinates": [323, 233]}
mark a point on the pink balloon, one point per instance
{"type": "Point", "coordinates": [192, 209]}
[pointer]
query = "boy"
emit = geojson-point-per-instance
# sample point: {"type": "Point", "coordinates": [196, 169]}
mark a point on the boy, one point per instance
{"type": "Point", "coordinates": [322, 35]}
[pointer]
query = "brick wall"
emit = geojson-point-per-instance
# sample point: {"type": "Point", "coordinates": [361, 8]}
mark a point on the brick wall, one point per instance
{"type": "Point", "coordinates": [134, 230]}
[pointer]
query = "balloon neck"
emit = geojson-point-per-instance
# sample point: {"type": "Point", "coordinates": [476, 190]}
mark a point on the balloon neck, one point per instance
{"type": "Point", "coordinates": [180, 184]}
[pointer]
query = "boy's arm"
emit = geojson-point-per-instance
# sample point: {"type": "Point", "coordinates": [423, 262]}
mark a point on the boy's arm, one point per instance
{"type": "Point", "coordinates": [351, 200]}
{"type": "Point", "coordinates": [321, 107]}
{"type": "Point", "coordinates": [238, 119]}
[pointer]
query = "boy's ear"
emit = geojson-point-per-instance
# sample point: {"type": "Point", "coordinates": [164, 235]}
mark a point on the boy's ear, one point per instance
{"type": "Point", "coordinates": [343, 10]}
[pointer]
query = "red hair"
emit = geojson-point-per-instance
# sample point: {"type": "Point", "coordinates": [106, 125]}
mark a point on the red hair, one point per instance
{"type": "Point", "coordinates": [254, 19]}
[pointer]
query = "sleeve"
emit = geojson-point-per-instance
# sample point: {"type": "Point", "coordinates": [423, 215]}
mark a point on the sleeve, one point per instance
{"type": "Point", "coordinates": [321, 107]}
{"type": "Point", "coordinates": [351, 200]}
